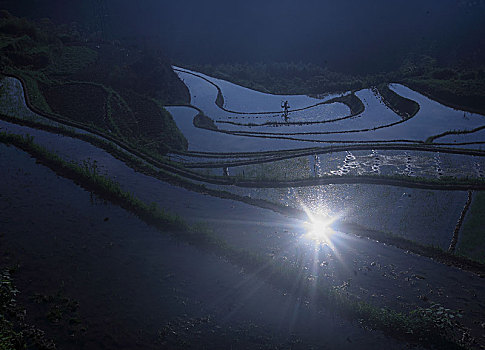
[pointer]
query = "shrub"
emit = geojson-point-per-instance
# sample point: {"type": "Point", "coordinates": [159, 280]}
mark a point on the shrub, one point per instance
{"type": "Point", "coordinates": [443, 321]}
{"type": "Point", "coordinates": [443, 74]}
{"type": "Point", "coordinates": [19, 27]}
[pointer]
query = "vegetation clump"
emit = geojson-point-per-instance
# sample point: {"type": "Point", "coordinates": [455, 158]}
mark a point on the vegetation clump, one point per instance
{"type": "Point", "coordinates": [283, 78]}
{"type": "Point", "coordinates": [353, 102]}
{"type": "Point", "coordinates": [455, 86]}
{"type": "Point", "coordinates": [15, 333]}
{"type": "Point", "coordinates": [9, 338]}
{"type": "Point", "coordinates": [472, 238]}
{"type": "Point", "coordinates": [402, 106]}
{"type": "Point", "coordinates": [81, 102]}
{"type": "Point", "coordinates": [204, 122]}
{"type": "Point", "coordinates": [119, 90]}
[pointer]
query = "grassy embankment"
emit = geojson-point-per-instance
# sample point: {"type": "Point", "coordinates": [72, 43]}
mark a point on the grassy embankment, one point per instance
{"type": "Point", "coordinates": [472, 238]}
{"type": "Point", "coordinates": [350, 100]}
{"type": "Point", "coordinates": [169, 176]}
{"type": "Point", "coordinates": [354, 103]}
{"type": "Point", "coordinates": [204, 122]}
{"type": "Point", "coordinates": [431, 139]}
{"type": "Point", "coordinates": [272, 175]}
{"type": "Point", "coordinates": [244, 181]}
{"type": "Point", "coordinates": [421, 325]}
{"type": "Point", "coordinates": [115, 90]}
{"type": "Point", "coordinates": [240, 159]}
{"type": "Point", "coordinates": [402, 106]}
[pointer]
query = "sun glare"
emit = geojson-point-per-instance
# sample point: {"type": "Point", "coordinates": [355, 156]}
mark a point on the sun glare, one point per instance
{"type": "Point", "coordinates": [318, 228]}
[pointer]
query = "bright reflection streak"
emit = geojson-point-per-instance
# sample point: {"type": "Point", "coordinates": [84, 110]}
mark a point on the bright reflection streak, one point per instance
{"type": "Point", "coordinates": [319, 231]}
{"type": "Point", "coordinates": [318, 228]}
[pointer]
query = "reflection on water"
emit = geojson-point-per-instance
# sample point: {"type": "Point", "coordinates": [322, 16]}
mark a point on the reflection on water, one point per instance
{"type": "Point", "coordinates": [432, 119]}
{"type": "Point", "coordinates": [318, 227]}
{"type": "Point", "coordinates": [425, 216]}
{"type": "Point", "coordinates": [407, 163]}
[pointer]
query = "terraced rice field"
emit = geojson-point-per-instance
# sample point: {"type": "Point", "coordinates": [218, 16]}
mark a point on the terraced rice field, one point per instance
{"type": "Point", "coordinates": [264, 174]}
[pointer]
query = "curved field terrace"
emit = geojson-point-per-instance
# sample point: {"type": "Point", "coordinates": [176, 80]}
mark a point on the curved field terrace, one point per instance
{"type": "Point", "coordinates": [312, 122]}
{"type": "Point", "coordinates": [319, 218]}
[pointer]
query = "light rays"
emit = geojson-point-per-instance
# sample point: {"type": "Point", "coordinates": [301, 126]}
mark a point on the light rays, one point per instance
{"type": "Point", "coordinates": [318, 228]}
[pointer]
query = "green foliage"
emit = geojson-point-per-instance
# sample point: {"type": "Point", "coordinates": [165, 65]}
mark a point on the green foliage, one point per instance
{"type": "Point", "coordinates": [24, 52]}
{"type": "Point", "coordinates": [439, 317]}
{"type": "Point", "coordinates": [152, 76]}
{"type": "Point", "coordinates": [18, 27]}
{"type": "Point", "coordinates": [204, 122]}
{"type": "Point", "coordinates": [32, 80]}
{"type": "Point", "coordinates": [472, 236]}
{"type": "Point", "coordinates": [23, 45]}
{"type": "Point", "coordinates": [13, 44]}
{"type": "Point", "coordinates": [15, 333]}
{"type": "Point", "coordinates": [443, 74]}
{"type": "Point", "coordinates": [77, 81]}
{"type": "Point", "coordinates": [72, 60]}
{"type": "Point", "coordinates": [461, 88]}
{"type": "Point", "coordinates": [82, 102]}
{"type": "Point", "coordinates": [402, 106]}
{"type": "Point", "coordinates": [416, 65]}
{"type": "Point", "coordinates": [283, 78]}
{"type": "Point", "coordinates": [353, 102]}
{"type": "Point", "coordinates": [442, 321]}
{"type": "Point", "coordinates": [8, 337]}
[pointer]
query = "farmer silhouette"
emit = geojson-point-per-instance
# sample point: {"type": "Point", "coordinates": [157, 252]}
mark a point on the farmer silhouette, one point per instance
{"type": "Point", "coordinates": [285, 107]}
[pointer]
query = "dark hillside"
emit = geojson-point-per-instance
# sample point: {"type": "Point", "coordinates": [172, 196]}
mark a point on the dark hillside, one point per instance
{"type": "Point", "coordinates": [352, 36]}
{"type": "Point", "coordinates": [336, 45]}
{"type": "Point", "coordinates": [84, 81]}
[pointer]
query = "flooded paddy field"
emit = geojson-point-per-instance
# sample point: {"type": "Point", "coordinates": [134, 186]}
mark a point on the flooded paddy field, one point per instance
{"type": "Point", "coordinates": [363, 200]}
{"type": "Point", "coordinates": [377, 123]}
{"type": "Point", "coordinates": [134, 284]}
{"type": "Point", "coordinates": [424, 216]}
{"type": "Point", "coordinates": [381, 162]}
{"type": "Point", "coordinates": [339, 262]}
{"type": "Point", "coordinates": [139, 283]}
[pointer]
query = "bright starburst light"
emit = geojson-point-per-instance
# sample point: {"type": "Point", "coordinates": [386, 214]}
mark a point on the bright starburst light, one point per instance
{"type": "Point", "coordinates": [318, 227]}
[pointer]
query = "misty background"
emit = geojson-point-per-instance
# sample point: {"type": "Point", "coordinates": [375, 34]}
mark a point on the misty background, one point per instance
{"type": "Point", "coordinates": [351, 36]}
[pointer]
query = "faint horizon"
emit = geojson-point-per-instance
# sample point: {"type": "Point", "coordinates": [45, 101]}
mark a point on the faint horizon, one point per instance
{"type": "Point", "coordinates": [345, 35]}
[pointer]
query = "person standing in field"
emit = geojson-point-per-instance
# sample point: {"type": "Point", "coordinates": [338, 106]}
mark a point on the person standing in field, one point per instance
{"type": "Point", "coordinates": [285, 107]}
